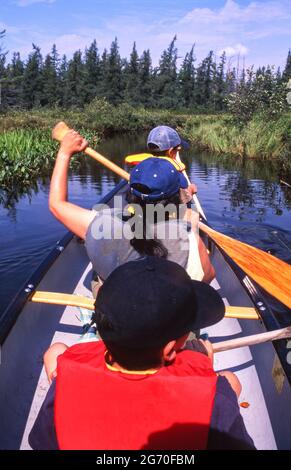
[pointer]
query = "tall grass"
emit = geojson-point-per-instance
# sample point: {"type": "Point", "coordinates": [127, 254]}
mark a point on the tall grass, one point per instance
{"type": "Point", "coordinates": [260, 139]}
{"type": "Point", "coordinates": [99, 116]}
{"type": "Point", "coordinates": [27, 154]}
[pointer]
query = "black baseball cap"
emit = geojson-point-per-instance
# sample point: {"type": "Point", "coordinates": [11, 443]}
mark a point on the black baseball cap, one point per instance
{"type": "Point", "coordinates": [151, 301]}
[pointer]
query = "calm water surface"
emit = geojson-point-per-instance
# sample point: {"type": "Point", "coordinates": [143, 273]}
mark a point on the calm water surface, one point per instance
{"type": "Point", "coordinates": [241, 199]}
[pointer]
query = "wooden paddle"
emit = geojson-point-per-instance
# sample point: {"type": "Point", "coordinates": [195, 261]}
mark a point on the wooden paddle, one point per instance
{"type": "Point", "coordinates": [195, 198]}
{"type": "Point", "coordinates": [59, 132]}
{"type": "Point", "coordinates": [56, 298]}
{"type": "Point", "coordinates": [252, 339]}
{"type": "Point", "coordinates": [269, 272]}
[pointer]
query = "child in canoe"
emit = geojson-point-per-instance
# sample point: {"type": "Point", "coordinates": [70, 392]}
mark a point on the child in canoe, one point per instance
{"type": "Point", "coordinates": [143, 386]}
{"type": "Point", "coordinates": [154, 184]}
{"type": "Point", "coordinates": [165, 142]}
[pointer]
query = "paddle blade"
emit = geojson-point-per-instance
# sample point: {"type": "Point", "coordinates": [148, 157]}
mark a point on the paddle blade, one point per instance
{"type": "Point", "coordinates": [268, 271]}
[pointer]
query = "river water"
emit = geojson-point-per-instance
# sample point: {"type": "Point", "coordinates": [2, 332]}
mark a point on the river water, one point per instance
{"type": "Point", "coordinates": [242, 199]}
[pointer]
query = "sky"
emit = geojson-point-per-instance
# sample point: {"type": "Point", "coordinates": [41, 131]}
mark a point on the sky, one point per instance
{"type": "Point", "coordinates": [258, 32]}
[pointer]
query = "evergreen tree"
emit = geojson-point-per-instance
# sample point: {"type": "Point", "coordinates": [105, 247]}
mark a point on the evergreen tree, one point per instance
{"type": "Point", "coordinates": [3, 84]}
{"type": "Point", "coordinates": [112, 75]}
{"type": "Point", "coordinates": [166, 92]}
{"type": "Point", "coordinates": [32, 79]}
{"type": "Point", "coordinates": [146, 79]}
{"type": "Point", "coordinates": [76, 81]}
{"type": "Point", "coordinates": [2, 55]}
{"type": "Point", "coordinates": [92, 72]}
{"type": "Point", "coordinates": [187, 80]}
{"type": "Point", "coordinates": [13, 90]}
{"type": "Point", "coordinates": [230, 81]}
{"type": "Point", "coordinates": [63, 82]}
{"type": "Point", "coordinates": [51, 79]}
{"type": "Point", "coordinates": [209, 79]}
{"type": "Point", "coordinates": [102, 88]}
{"type": "Point", "coordinates": [220, 84]}
{"type": "Point", "coordinates": [287, 71]}
{"type": "Point", "coordinates": [132, 79]}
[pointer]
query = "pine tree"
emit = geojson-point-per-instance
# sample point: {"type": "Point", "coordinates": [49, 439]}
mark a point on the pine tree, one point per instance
{"type": "Point", "coordinates": [92, 72]}
{"type": "Point", "coordinates": [206, 82]}
{"type": "Point", "coordinates": [230, 81]}
{"type": "Point", "coordinates": [132, 79]}
{"type": "Point", "coordinates": [2, 55]}
{"type": "Point", "coordinates": [76, 81]}
{"type": "Point", "coordinates": [166, 92]}
{"type": "Point", "coordinates": [187, 80]}
{"type": "Point", "coordinates": [287, 71]}
{"type": "Point", "coordinates": [63, 82]}
{"type": "Point", "coordinates": [3, 78]}
{"type": "Point", "coordinates": [102, 88]}
{"type": "Point", "coordinates": [220, 84]}
{"type": "Point", "coordinates": [146, 79]}
{"type": "Point", "coordinates": [112, 75]}
{"type": "Point", "coordinates": [32, 79]}
{"type": "Point", "coordinates": [13, 91]}
{"type": "Point", "coordinates": [51, 79]}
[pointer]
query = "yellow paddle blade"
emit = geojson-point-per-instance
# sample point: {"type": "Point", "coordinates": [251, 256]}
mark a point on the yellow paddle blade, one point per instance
{"type": "Point", "coordinates": [140, 157]}
{"type": "Point", "coordinates": [268, 271]}
{"type": "Point", "coordinates": [57, 298]}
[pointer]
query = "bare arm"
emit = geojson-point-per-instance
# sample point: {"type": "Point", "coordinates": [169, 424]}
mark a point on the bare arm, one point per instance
{"type": "Point", "coordinates": [75, 218]}
{"type": "Point", "coordinates": [209, 271]}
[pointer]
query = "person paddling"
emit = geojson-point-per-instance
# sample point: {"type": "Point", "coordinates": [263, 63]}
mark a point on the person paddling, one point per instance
{"type": "Point", "coordinates": [142, 387]}
{"type": "Point", "coordinates": [154, 181]}
{"type": "Point", "coordinates": [165, 142]}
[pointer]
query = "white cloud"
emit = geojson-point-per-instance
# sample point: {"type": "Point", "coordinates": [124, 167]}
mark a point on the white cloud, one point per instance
{"type": "Point", "coordinates": [26, 3]}
{"type": "Point", "coordinates": [259, 30]}
{"type": "Point", "coordinates": [236, 49]}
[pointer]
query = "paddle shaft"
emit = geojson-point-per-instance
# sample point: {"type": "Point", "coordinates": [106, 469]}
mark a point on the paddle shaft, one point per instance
{"type": "Point", "coordinates": [195, 198]}
{"type": "Point", "coordinates": [269, 272]}
{"type": "Point", "coordinates": [252, 340]}
{"type": "Point", "coordinates": [59, 132]}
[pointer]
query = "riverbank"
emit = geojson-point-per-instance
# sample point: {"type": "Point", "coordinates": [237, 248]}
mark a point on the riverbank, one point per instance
{"type": "Point", "coordinates": [28, 152]}
{"type": "Point", "coordinates": [260, 138]}
{"type": "Point", "coordinates": [99, 116]}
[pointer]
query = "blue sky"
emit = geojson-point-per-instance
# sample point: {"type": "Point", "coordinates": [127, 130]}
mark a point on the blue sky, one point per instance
{"type": "Point", "coordinates": [258, 31]}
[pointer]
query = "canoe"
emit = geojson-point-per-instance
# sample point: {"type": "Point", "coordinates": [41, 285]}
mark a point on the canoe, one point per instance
{"type": "Point", "coordinates": [27, 329]}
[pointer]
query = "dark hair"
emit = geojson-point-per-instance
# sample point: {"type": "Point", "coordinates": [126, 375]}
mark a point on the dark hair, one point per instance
{"type": "Point", "coordinates": [135, 359]}
{"type": "Point", "coordinates": [129, 358]}
{"type": "Point", "coordinates": [146, 246]}
{"type": "Point", "coordinates": [154, 149]}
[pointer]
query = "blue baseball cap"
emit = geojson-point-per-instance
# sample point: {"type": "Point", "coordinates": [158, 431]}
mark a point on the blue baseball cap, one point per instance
{"type": "Point", "coordinates": [163, 138]}
{"type": "Point", "coordinates": [159, 176]}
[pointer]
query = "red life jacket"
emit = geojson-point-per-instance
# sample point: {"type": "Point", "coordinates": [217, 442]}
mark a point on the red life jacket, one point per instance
{"type": "Point", "coordinates": [98, 408]}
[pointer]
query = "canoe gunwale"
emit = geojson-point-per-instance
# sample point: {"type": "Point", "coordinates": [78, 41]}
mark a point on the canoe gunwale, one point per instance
{"type": "Point", "coordinates": [15, 307]}
{"type": "Point", "coordinates": [258, 297]}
